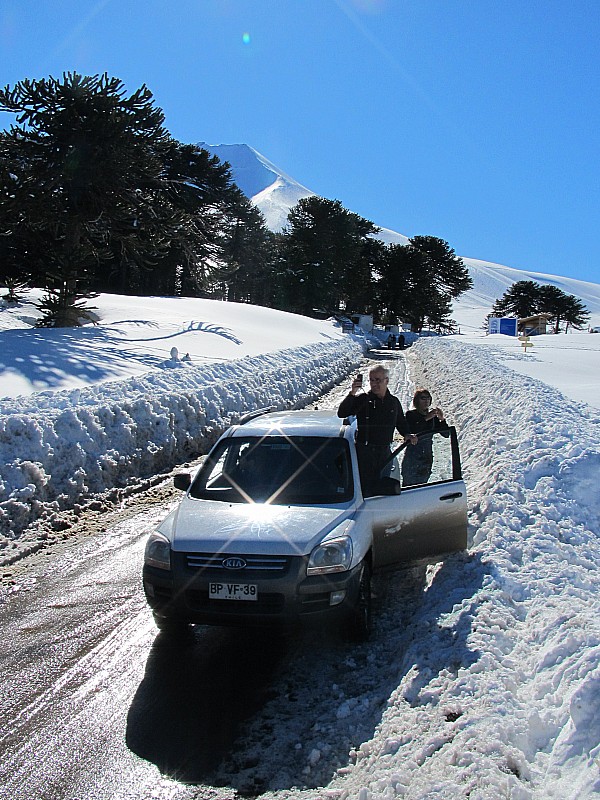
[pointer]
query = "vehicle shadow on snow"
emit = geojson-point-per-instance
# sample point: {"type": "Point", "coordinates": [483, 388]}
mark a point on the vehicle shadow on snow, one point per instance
{"type": "Point", "coordinates": [256, 711]}
{"type": "Point", "coordinates": [196, 689]}
{"type": "Point", "coordinates": [437, 628]}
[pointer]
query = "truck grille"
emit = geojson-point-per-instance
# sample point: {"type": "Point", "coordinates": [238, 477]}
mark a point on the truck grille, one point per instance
{"type": "Point", "coordinates": [265, 564]}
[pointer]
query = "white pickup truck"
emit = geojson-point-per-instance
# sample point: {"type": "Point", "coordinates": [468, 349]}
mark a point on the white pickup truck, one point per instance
{"type": "Point", "coordinates": [274, 527]}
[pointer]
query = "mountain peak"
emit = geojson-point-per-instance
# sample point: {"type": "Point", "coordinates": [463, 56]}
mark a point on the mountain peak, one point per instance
{"type": "Point", "coordinates": [270, 189]}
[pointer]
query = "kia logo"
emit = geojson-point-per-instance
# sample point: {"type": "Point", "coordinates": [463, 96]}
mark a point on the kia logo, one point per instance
{"type": "Point", "coordinates": [234, 563]}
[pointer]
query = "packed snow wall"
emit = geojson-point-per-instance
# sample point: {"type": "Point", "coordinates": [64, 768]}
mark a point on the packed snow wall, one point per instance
{"type": "Point", "coordinates": [61, 448]}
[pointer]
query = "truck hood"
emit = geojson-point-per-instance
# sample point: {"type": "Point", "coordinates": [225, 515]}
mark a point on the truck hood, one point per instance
{"type": "Point", "coordinates": [214, 526]}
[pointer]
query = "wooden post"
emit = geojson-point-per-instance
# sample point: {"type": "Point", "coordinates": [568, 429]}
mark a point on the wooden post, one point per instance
{"type": "Point", "coordinates": [525, 343]}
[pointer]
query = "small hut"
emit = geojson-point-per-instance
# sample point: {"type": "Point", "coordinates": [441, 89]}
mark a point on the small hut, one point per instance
{"type": "Point", "coordinates": [534, 326]}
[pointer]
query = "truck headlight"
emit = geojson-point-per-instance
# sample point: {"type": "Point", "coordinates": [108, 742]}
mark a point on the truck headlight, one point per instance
{"type": "Point", "coordinates": [334, 555]}
{"type": "Point", "coordinates": [158, 551]}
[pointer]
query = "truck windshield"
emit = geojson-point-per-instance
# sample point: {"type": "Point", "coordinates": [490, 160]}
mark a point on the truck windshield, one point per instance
{"type": "Point", "coordinates": [277, 469]}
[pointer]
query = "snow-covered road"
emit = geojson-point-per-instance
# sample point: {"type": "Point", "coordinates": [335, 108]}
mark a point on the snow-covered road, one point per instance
{"type": "Point", "coordinates": [483, 676]}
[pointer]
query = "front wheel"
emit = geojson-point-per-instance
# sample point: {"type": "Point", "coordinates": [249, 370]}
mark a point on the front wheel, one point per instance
{"type": "Point", "coordinates": [171, 626]}
{"type": "Point", "coordinates": [359, 622]}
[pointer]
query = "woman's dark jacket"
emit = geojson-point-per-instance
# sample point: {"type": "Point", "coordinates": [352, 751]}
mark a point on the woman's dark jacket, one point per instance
{"type": "Point", "coordinates": [418, 459]}
{"type": "Point", "coordinates": [418, 424]}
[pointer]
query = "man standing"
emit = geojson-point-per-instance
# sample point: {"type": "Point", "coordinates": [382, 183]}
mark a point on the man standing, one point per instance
{"type": "Point", "coordinates": [378, 414]}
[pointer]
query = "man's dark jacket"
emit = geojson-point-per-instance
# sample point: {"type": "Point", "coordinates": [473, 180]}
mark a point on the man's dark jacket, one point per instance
{"type": "Point", "coordinates": [377, 417]}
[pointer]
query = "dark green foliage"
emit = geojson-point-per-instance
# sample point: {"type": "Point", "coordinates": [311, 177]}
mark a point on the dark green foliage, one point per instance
{"type": "Point", "coordinates": [448, 272]}
{"type": "Point", "coordinates": [17, 286]}
{"type": "Point", "coordinates": [326, 257]}
{"type": "Point", "coordinates": [399, 288]}
{"type": "Point", "coordinates": [201, 204]}
{"type": "Point", "coordinates": [360, 284]}
{"type": "Point", "coordinates": [249, 254]}
{"type": "Point", "coordinates": [418, 282]}
{"type": "Point", "coordinates": [520, 300]}
{"type": "Point", "coordinates": [16, 240]}
{"type": "Point", "coordinates": [65, 308]}
{"type": "Point", "coordinates": [527, 298]}
{"type": "Point", "coordinates": [563, 308]}
{"type": "Point", "coordinates": [96, 196]}
{"type": "Point", "coordinates": [86, 162]}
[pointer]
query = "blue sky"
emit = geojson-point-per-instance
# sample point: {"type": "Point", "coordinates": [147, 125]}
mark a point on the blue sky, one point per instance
{"type": "Point", "coordinates": [473, 120]}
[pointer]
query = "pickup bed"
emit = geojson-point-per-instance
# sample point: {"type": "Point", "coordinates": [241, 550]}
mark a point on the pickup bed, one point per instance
{"type": "Point", "coordinates": [274, 528]}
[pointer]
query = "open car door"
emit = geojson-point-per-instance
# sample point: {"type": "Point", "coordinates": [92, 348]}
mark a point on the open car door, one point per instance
{"type": "Point", "coordinates": [428, 519]}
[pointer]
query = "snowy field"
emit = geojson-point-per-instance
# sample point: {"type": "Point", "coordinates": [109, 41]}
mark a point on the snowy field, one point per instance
{"type": "Point", "coordinates": [494, 690]}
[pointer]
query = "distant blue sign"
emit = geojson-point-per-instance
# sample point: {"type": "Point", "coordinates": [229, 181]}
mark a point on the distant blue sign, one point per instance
{"type": "Point", "coordinates": [505, 325]}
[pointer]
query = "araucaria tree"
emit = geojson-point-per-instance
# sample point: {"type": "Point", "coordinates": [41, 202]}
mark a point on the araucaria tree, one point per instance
{"type": "Point", "coordinates": [97, 197]}
{"type": "Point", "coordinates": [563, 308]}
{"type": "Point", "coordinates": [327, 258]}
{"type": "Point", "coordinates": [249, 254]}
{"type": "Point", "coordinates": [448, 272]}
{"type": "Point", "coordinates": [195, 208]}
{"type": "Point", "coordinates": [418, 282]}
{"type": "Point", "coordinates": [520, 300]}
{"type": "Point", "coordinates": [85, 162]}
{"type": "Point", "coordinates": [526, 298]}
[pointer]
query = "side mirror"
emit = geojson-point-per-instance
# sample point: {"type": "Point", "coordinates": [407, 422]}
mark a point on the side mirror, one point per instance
{"type": "Point", "coordinates": [182, 480]}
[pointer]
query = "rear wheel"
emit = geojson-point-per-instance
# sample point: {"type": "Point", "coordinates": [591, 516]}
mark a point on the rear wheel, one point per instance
{"type": "Point", "coordinates": [359, 623]}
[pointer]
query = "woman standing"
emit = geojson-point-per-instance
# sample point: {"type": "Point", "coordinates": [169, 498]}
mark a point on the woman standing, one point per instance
{"type": "Point", "coordinates": [418, 460]}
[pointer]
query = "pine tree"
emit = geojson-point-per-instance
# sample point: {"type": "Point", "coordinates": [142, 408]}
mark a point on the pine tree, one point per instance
{"type": "Point", "coordinates": [527, 298]}
{"type": "Point", "coordinates": [16, 241]}
{"type": "Point", "coordinates": [446, 269]}
{"type": "Point", "coordinates": [417, 284]}
{"type": "Point", "coordinates": [396, 285]}
{"type": "Point", "coordinates": [326, 253]}
{"type": "Point", "coordinates": [205, 204]}
{"type": "Point", "coordinates": [563, 307]}
{"type": "Point", "coordinates": [248, 250]}
{"type": "Point", "coordinates": [520, 300]}
{"type": "Point", "coordinates": [86, 164]}
{"type": "Point", "coordinates": [359, 290]}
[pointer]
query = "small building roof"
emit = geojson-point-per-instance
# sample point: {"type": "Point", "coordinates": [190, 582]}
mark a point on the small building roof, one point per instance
{"type": "Point", "coordinates": [541, 317]}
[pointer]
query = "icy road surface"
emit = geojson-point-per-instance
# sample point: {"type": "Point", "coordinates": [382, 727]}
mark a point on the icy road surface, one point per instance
{"type": "Point", "coordinates": [95, 703]}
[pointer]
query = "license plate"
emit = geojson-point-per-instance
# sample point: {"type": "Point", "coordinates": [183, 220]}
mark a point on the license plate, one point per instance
{"type": "Point", "coordinates": [232, 591]}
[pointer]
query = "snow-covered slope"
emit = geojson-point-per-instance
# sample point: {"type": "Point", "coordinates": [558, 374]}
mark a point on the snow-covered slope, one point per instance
{"type": "Point", "coordinates": [269, 188]}
{"type": "Point", "coordinates": [274, 193]}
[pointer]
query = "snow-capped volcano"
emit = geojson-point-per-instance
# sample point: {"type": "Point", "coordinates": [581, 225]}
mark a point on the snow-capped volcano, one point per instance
{"type": "Point", "coordinates": [269, 188]}
{"type": "Point", "coordinates": [275, 193]}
